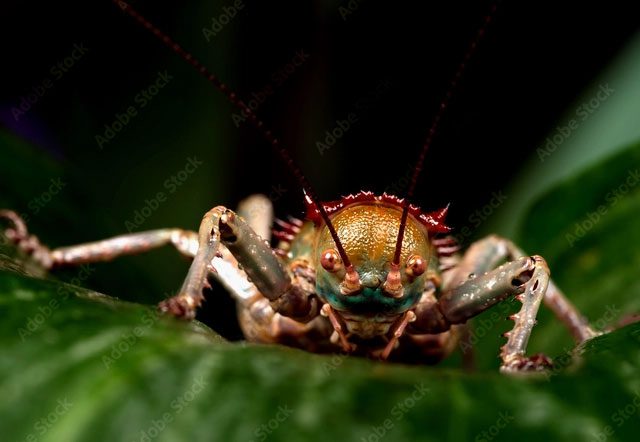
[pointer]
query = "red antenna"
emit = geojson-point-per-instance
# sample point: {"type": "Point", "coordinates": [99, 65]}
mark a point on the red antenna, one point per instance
{"type": "Point", "coordinates": [444, 103]}
{"type": "Point", "coordinates": [231, 96]}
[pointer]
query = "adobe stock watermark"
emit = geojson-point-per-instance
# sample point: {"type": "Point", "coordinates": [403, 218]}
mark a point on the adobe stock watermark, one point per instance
{"type": "Point", "coordinates": [63, 292]}
{"type": "Point", "coordinates": [340, 128]}
{"type": "Point", "coordinates": [567, 356]}
{"type": "Point", "coordinates": [39, 90]}
{"type": "Point", "coordinates": [38, 203]}
{"type": "Point", "coordinates": [44, 424]}
{"type": "Point", "coordinates": [619, 418]}
{"type": "Point", "coordinates": [348, 8]}
{"type": "Point", "coordinates": [177, 406]}
{"type": "Point", "coordinates": [612, 198]}
{"type": "Point", "coordinates": [277, 79]}
{"type": "Point", "coordinates": [140, 101]}
{"type": "Point", "coordinates": [490, 433]}
{"type": "Point", "coordinates": [479, 216]}
{"type": "Point", "coordinates": [264, 430]}
{"type": "Point", "coordinates": [483, 325]}
{"type": "Point", "coordinates": [170, 186]}
{"type": "Point", "coordinates": [582, 114]}
{"type": "Point", "coordinates": [360, 107]}
{"type": "Point", "coordinates": [277, 191]}
{"type": "Point", "coordinates": [336, 360]}
{"type": "Point", "coordinates": [219, 22]}
{"type": "Point", "coordinates": [129, 339]}
{"type": "Point", "coordinates": [397, 412]}
{"type": "Point", "coordinates": [366, 102]}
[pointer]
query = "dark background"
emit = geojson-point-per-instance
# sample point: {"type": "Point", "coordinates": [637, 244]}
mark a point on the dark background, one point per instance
{"type": "Point", "coordinates": [535, 60]}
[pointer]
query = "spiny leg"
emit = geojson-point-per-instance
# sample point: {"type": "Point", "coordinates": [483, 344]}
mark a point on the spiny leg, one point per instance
{"type": "Point", "coordinates": [258, 318]}
{"type": "Point", "coordinates": [488, 252]}
{"type": "Point", "coordinates": [467, 294]}
{"type": "Point", "coordinates": [258, 212]}
{"type": "Point", "coordinates": [222, 227]}
{"type": "Point", "coordinates": [527, 279]}
{"type": "Point", "coordinates": [298, 302]}
{"type": "Point", "coordinates": [513, 352]}
{"type": "Point", "coordinates": [99, 251]}
{"type": "Point", "coordinates": [256, 208]}
{"type": "Point", "coordinates": [243, 246]}
{"type": "Point", "coordinates": [129, 244]}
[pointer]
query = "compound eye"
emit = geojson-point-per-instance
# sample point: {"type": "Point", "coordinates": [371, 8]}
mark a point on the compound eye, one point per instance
{"type": "Point", "coordinates": [330, 260]}
{"type": "Point", "coordinates": [416, 266]}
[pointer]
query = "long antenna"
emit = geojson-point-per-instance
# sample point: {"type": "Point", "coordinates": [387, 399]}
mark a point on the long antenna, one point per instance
{"type": "Point", "coordinates": [231, 96]}
{"type": "Point", "coordinates": [444, 103]}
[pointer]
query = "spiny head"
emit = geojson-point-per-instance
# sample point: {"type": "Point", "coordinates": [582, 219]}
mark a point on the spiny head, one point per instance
{"type": "Point", "coordinates": [367, 226]}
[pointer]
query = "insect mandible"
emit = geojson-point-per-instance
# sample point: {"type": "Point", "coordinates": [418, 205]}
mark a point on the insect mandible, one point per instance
{"type": "Point", "coordinates": [367, 274]}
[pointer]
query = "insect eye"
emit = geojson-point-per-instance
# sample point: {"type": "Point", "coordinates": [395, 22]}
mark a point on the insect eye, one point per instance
{"type": "Point", "coordinates": [330, 260]}
{"type": "Point", "coordinates": [416, 266]}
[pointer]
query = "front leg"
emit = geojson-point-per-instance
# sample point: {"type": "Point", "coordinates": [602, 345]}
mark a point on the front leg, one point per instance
{"type": "Point", "coordinates": [487, 253]}
{"type": "Point", "coordinates": [474, 287]}
{"type": "Point", "coordinates": [526, 279]}
{"type": "Point", "coordinates": [221, 226]}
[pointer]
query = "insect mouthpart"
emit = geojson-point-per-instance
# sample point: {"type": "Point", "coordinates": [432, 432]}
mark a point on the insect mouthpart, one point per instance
{"type": "Point", "coordinates": [353, 282]}
{"type": "Point", "coordinates": [372, 280]}
{"type": "Point", "coordinates": [370, 300]}
{"type": "Point", "coordinates": [372, 296]}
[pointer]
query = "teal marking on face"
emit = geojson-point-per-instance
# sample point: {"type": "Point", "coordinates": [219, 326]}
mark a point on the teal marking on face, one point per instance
{"type": "Point", "coordinates": [369, 301]}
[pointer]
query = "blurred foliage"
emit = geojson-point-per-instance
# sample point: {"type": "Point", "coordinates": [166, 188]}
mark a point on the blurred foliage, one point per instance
{"type": "Point", "coordinates": [603, 125]}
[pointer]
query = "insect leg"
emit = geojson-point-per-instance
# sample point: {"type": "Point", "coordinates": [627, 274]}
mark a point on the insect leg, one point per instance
{"type": "Point", "coordinates": [130, 244]}
{"type": "Point", "coordinates": [431, 337]}
{"type": "Point", "coordinates": [469, 291]}
{"type": "Point", "coordinates": [398, 330]}
{"type": "Point", "coordinates": [527, 279]}
{"type": "Point", "coordinates": [221, 226]}
{"type": "Point", "coordinates": [488, 252]}
{"type": "Point", "coordinates": [298, 302]}
{"type": "Point", "coordinates": [257, 210]}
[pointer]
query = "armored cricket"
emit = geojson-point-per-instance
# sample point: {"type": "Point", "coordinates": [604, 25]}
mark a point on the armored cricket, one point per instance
{"type": "Point", "coordinates": [368, 274]}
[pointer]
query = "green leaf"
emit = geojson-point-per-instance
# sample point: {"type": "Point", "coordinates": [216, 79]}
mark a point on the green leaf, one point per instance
{"type": "Point", "coordinates": [78, 365]}
{"type": "Point", "coordinates": [587, 229]}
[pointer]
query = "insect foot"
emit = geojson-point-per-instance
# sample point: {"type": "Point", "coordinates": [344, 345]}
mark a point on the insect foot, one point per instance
{"type": "Point", "coordinates": [538, 363]}
{"type": "Point", "coordinates": [29, 244]}
{"type": "Point", "coordinates": [182, 307]}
